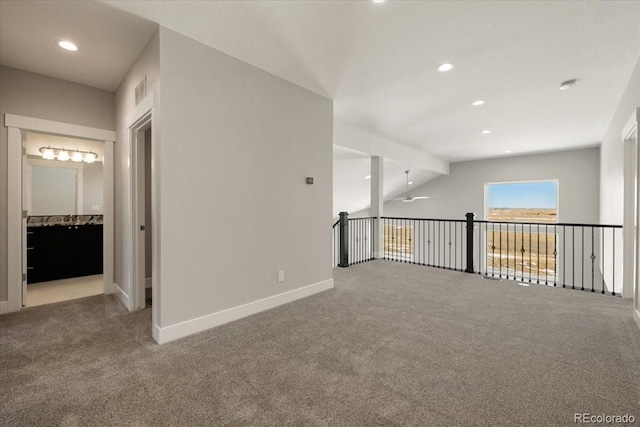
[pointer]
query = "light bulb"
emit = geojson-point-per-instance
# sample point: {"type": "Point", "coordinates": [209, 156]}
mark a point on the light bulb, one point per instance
{"type": "Point", "coordinates": [90, 157]}
{"type": "Point", "coordinates": [63, 156]}
{"type": "Point", "coordinates": [67, 45]}
{"type": "Point", "coordinates": [47, 154]}
{"type": "Point", "coordinates": [77, 156]}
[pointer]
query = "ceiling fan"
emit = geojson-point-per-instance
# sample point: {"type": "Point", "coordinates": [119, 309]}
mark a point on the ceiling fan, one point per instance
{"type": "Point", "coordinates": [409, 199]}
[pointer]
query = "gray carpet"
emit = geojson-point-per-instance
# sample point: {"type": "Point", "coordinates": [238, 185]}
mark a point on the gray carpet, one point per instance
{"type": "Point", "coordinates": [392, 344]}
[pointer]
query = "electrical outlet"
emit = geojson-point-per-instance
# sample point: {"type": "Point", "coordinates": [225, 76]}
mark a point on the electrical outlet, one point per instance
{"type": "Point", "coordinates": [281, 276]}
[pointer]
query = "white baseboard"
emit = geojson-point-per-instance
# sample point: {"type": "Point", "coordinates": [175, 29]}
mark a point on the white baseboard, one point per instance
{"type": "Point", "coordinates": [122, 295]}
{"type": "Point", "coordinates": [189, 327]}
{"type": "Point", "coordinates": [636, 317]}
{"type": "Point", "coordinates": [148, 282]}
{"type": "Point", "coordinates": [4, 307]}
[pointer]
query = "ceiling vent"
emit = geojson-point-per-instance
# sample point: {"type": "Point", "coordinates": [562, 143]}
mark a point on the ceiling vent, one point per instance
{"type": "Point", "coordinates": [141, 90]}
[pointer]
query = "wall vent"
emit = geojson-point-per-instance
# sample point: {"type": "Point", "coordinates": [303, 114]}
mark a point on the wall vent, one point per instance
{"type": "Point", "coordinates": [141, 90]}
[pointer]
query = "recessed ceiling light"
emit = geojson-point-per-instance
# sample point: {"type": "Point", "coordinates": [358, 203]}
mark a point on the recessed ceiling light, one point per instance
{"type": "Point", "coordinates": [568, 84]}
{"type": "Point", "coordinates": [67, 45]}
{"type": "Point", "coordinates": [477, 103]}
{"type": "Point", "coordinates": [486, 131]}
{"type": "Point", "coordinates": [447, 66]}
{"type": "Point", "coordinates": [378, 1]}
{"type": "Point", "coordinates": [507, 151]}
{"type": "Point", "coordinates": [367, 177]}
{"type": "Point", "coordinates": [410, 182]}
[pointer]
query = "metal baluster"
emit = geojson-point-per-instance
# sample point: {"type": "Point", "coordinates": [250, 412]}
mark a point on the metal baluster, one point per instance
{"type": "Point", "coordinates": [546, 254]}
{"type": "Point", "coordinates": [582, 258]}
{"type": "Point", "coordinates": [593, 259]}
{"type": "Point", "coordinates": [455, 251]}
{"type": "Point", "coordinates": [479, 248]}
{"type": "Point", "coordinates": [522, 251]}
{"type": "Point", "coordinates": [507, 224]}
{"type": "Point", "coordinates": [564, 258]}
{"type": "Point", "coordinates": [573, 257]}
{"type": "Point", "coordinates": [555, 256]}
{"type": "Point", "coordinates": [613, 282]}
{"type": "Point", "coordinates": [493, 249]}
{"type": "Point", "coordinates": [530, 239]}
{"type": "Point", "coordinates": [602, 256]}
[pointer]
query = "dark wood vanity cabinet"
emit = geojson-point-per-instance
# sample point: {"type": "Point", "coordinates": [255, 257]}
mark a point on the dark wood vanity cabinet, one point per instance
{"type": "Point", "coordinates": [63, 251]}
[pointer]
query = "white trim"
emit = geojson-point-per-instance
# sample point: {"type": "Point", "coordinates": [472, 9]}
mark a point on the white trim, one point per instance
{"type": "Point", "coordinates": [141, 110]}
{"type": "Point", "coordinates": [121, 294]}
{"type": "Point", "coordinates": [630, 127]}
{"type": "Point", "coordinates": [189, 327]}
{"type": "Point", "coordinates": [629, 219]}
{"type": "Point", "coordinates": [59, 128]}
{"type": "Point", "coordinates": [4, 307]}
{"type": "Point", "coordinates": [138, 119]}
{"type": "Point", "coordinates": [14, 219]}
{"type": "Point", "coordinates": [15, 126]}
{"type": "Point", "coordinates": [108, 217]}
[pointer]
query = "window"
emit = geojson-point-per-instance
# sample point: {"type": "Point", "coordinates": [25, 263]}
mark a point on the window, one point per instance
{"type": "Point", "coordinates": [519, 241]}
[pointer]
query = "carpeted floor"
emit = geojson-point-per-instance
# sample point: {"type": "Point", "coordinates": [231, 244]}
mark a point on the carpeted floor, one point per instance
{"type": "Point", "coordinates": [393, 344]}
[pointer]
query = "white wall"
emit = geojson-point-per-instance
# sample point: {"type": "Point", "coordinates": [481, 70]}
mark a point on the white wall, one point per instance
{"type": "Point", "coordinates": [147, 63]}
{"type": "Point", "coordinates": [612, 153]}
{"type": "Point", "coordinates": [35, 95]}
{"type": "Point", "coordinates": [612, 161]}
{"type": "Point", "coordinates": [577, 172]}
{"type": "Point", "coordinates": [236, 145]}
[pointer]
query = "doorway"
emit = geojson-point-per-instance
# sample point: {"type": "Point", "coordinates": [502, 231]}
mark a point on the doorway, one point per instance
{"type": "Point", "coordinates": [142, 238]}
{"type": "Point", "coordinates": [63, 192]}
{"type": "Point", "coordinates": [144, 289]}
{"type": "Point", "coordinates": [17, 211]}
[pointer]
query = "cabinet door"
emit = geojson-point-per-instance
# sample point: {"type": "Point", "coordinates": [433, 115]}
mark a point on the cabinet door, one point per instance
{"type": "Point", "coordinates": [87, 248]}
{"type": "Point", "coordinates": [33, 255]}
{"type": "Point", "coordinates": [56, 257]}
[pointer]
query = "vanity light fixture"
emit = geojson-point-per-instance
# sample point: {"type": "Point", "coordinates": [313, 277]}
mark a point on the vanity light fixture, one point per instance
{"type": "Point", "coordinates": [77, 157]}
{"type": "Point", "coordinates": [53, 153]}
{"type": "Point", "coordinates": [63, 156]}
{"type": "Point", "coordinates": [47, 153]}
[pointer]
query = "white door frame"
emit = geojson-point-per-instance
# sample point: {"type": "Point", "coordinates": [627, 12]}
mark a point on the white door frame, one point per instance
{"type": "Point", "coordinates": [140, 119]}
{"type": "Point", "coordinates": [16, 126]}
{"type": "Point", "coordinates": [632, 231]}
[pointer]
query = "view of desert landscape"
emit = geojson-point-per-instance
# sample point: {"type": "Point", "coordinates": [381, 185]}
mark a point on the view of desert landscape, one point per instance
{"type": "Point", "coordinates": [398, 240]}
{"type": "Point", "coordinates": [528, 249]}
{"type": "Point", "coordinates": [524, 244]}
{"type": "Point", "coordinates": [522, 215]}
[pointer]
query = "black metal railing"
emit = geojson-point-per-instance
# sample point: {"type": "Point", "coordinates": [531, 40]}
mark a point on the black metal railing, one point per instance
{"type": "Point", "coordinates": [353, 240]}
{"type": "Point", "coordinates": [576, 256]}
{"type": "Point", "coordinates": [432, 242]}
{"type": "Point", "coordinates": [335, 256]}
